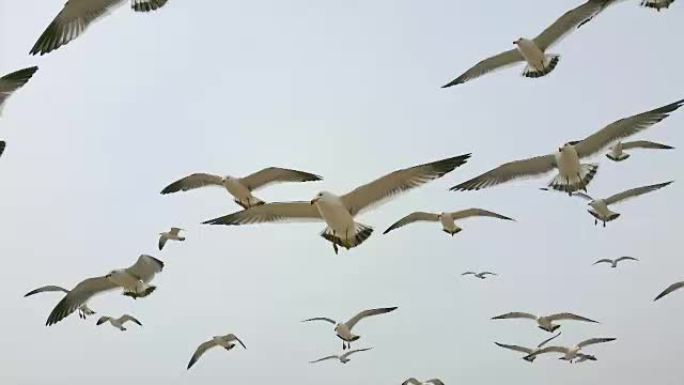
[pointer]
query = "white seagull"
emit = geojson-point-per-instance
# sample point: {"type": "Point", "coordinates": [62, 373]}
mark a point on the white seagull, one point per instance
{"type": "Point", "coordinates": [172, 235]}
{"type": "Point", "coordinates": [343, 358]}
{"type": "Point", "coordinates": [241, 188]}
{"type": "Point", "coordinates": [447, 219]}
{"type": "Point", "coordinates": [83, 311]}
{"type": "Point", "coordinates": [344, 329]}
{"type": "Point", "coordinates": [572, 175]}
{"type": "Point", "coordinates": [617, 153]}
{"type": "Point", "coordinates": [573, 352]}
{"type": "Point", "coordinates": [657, 4]}
{"type": "Point", "coordinates": [599, 207]}
{"type": "Point", "coordinates": [614, 262]}
{"type": "Point", "coordinates": [12, 82]}
{"type": "Point", "coordinates": [133, 280]}
{"type": "Point", "coordinates": [481, 275]}
{"type": "Point", "coordinates": [77, 15]}
{"type": "Point", "coordinates": [226, 342]}
{"type": "Point", "coordinates": [528, 351]}
{"type": "Point", "coordinates": [675, 286]}
{"type": "Point", "coordinates": [413, 381]}
{"type": "Point", "coordinates": [545, 322]}
{"type": "Point", "coordinates": [118, 322]}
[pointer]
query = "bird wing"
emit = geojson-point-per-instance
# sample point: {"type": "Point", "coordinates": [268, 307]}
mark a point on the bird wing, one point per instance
{"type": "Point", "coordinates": [546, 341]}
{"type": "Point", "coordinates": [50, 288]}
{"type": "Point", "coordinates": [381, 189]}
{"type": "Point", "coordinates": [368, 313]}
{"type": "Point", "coordinates": [516, 315]}
{"type": "Point", "coordinates": [604, 260]}
{"type": "Point", "coordinates": [325, 359]}
{"type": "Point", "coordinates": [200, 351]}
{"type": "Point", "coordinates": [193, 181]}
{"type": "Point", "coordinates": [490, 64]}
{"type": "Point", "coordinates": [593, 341]}
{"type": "Point", "coordinates": [624, 128]}
{"type": "Point", "coordinates": [469, 273]}
{"type": "Point", "coordinates": [147, 5]}
{"type": "Point", "coordinates": [126, 317]}
{"type": "Point", "coordinates": [272, 175]}
{"type": "Point", "coordinates": [270, 212]}
{"type": "Point", "coordinates": [550, 349]}
{"type": "Point", "coordinates": [509, 171]}
{"type": "Point", "coordinates": [413, 217]}
{"type": "Point", "coordinates": [635, 192]}
{"type": "Point", "coordinates": [349, 353]}
{"type": "Point", "coordinates": [162, 241]}
{"type": "Point", "coordinates": [78, 296]}
{"type": "Point", "coordinates": [487, 273]}
{"type": "Point", "coordinates": [568, 317]}
{"type": "Point", "coordinates": [670, 289]}
{"type": "Point", "coordinates": [233, 337]}
{"type": "Point", "coordinates": [435, 381]}
{"type": "Point", "coordinates": [645, 144]}
{"type": "Point", "coordinates": [569, 22]}
{"type": "Point", "coordinates": [12, 82]}
{"type": "Point", "coordinates": [516, 348]}
{"type": "Point", "coordinates": [626, 259]}
{"type": "Point", "coordinates": [478, 213]}
{"type": "Point", "coordinates": [582, 195]}
{"type": "Point", "coordinates": [175, 230]}
{"type": "Point", "coordinates": [411, 381]}
{"type": "Point", "coordinates": [145, 268]}
{"type": "Point", "coordinates": [3, 144]}
{"type": "Point", "coordinates": [326, 319]}
{"type": "Point", "coordinates": [102, 320]}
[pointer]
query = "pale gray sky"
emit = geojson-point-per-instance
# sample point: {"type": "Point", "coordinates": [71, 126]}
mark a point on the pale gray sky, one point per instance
{"type": "Point", "coordinates": [348, 90]}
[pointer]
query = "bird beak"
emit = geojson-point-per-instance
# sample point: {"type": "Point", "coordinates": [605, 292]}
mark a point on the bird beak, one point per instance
{"type": "Point", "coordinates": [313, 201]}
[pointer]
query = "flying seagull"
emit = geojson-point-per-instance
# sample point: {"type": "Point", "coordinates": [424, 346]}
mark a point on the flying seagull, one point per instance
{"type": "Point", "coordinates": [339, 211]}
{"type": "Point", "coordinates": [617, 153]}
{"type": "Point", "coordinates": [614, 262]}
{"type": "Point", "coordinates": [572, 175]}
{"type": "Point", "coordinates": [534, 51]}
{"type": "Point", "coordinates": [344, 329]}
{"type": "Point", "coordinates": [133, 280]}
{"type": "Point", "coordinates": [170, 235]}
{"type": "Point", "coordinates": [344, 358]}
{"type": "Point", "coordinates": [528, 351]}
{"type": "Point", "coordinates": [118, 322]}
{"type": "Point", "coordinates": [670, 289]}
{"type": "Point", "coordinates": [571, 353]}
{"type": "Point", "coordinates": [599, 207]}
{"type": "Point", "coordinates": [445, 218]}
{"type": "Point", "coordinates": [657, 4]}
{"type": "Point", "coordinates": [3, 144]}
{"type": "Point", "coordinates": [545, 322]}
{"type": "Point", "coordinates": [12, 82]}
{"type": "Point", "coordinates": [481, 275]}
{"type": "Point", "coordinates": [241, 188]}
{"type": "Point", "coordinates": [413, 381]}
{"type": "Point", "coordinates": [226, 342]}
{"type": "Point", "coordinates": [77, 15]}
{"type": "Point", "coordinates": [83, 311]}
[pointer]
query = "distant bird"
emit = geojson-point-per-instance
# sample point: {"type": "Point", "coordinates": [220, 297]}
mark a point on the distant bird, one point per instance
{"type": "Point", "coordinates": [3, 144]}
{"type": "Point", "coordinates": [528, 351]}
{"type": "Point", "coordinates": [12, 82]}
{"type": "Point", "coordinates": [118, 322]}
{"type": "Point", "coordinates": [344, 358]}
{"type": "Point", "coordinates": [545, 322]}
{"type": "Point", "coordinates": [657, 4]}
{"type": "Point", "coordinates": [533, 52]}
{"type": "Point", "coordinates": [670, 289]}
{"type": "Point", "coordinates": [83, 311]}
{"type": "Point", "coordinates": [614, 262]}
{"type": "Point", "coordinates": [445, 218]}
{"type": "Point", "coordinates": [133, 280]}
{"type": "Point", "coordinates": [617, 153]}
{"type": "Point", "coordinates": [413, 381]}
{"type": "Point", "coordinates": [344, 329]}
{"type": "Point", "coordinates": [225, 342]}
{"type": "Point", "coordinates": [77, 15]}
{"type": "Point", "coordinates": [571, 353]}
{"type": "Point", "coordinates": [599, 207]}
{"type": "Point", "coordinates": [241, 188]}
{"type": "Point", "coordinates": [481, 275]}
{"type": "Point", "coordinates": [339, 211]}
{"type": "Point", "coordinates": [573, 176]}
{"type": "Point", "coordinates": [170, 235]}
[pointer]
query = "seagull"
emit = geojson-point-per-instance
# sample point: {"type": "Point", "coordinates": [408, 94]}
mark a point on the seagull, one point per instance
{"type": "Point", "coordinates": [83, 311]}
{"type": "Point", "coordinates": [545, 322]}
{"type": "Point", "coordinates": [670, 289]}
{"type": "Point", "coordinates": [446, 218]}
{"type": "Point", "coordinates": [413, 381]}
{"type": "Point", "coordinates": [3, 144]}
{"type": "Point", "coordinates": [118, 322]}
{"type": "Point", "coordinates": [614, 262]}
{"type": "Point", "coordinates": [12, 82]}
{"type": "Point", "coordinates": [344, 330]}
{"type": "Point", "coordinates": [571, 353]}
{"type": "Point", "coordinates": [133, 280]}
{"type": "Point", "coordinates": [344, 358]}
{"type": "Point", "coordinates": [572, 175]}
{"type": "Point", "coordinates": [657, 4]}
{"type": "Point", "coordinates": [225, 342]}
{"type": "Point", "coordinates": [599, 207]}
{"type": "Point", "coordinates": [170, 235]}
{"type": "Point", "coordinates": [481, 275]}
{"type": "Point", "coordinates": [617, 153]}
{"type": "Point", "coordinates": [241, 188]}
{"type": "Point", "coordinates": [533, 52]}
{"type": "Point", "coordinates": [339, 211]}
{"type": "Point", "coordinates": [77, 15]}
{"type": "Point", "coordinates": [528, 351]}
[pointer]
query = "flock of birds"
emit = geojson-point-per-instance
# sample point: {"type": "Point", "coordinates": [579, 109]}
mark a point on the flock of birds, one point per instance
{"type": "Point", "coordinates": [339, 211]}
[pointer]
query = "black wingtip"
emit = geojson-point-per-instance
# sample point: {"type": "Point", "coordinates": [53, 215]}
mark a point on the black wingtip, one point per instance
{"type": "Point", "coordinates": [453, 83]}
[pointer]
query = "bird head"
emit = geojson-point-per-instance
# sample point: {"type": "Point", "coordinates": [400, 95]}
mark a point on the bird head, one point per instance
{"type": "Point", "coordinates": [517, 42]}
{"type": "Point", "coordinates": [320, 196]}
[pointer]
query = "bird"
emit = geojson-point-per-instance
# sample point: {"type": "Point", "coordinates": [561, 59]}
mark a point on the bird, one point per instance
{"type": "Point", "coordinates": [528, 351]}
{"type": "Point", "coordinates": [657, 4]}
{"type": "Point", "coordinates": [534, 51]}
{"type": "Point", "coordinates": [226, 342]}
{"type": "Point", "coordinates": [614, 262]}
{"type": "Point", "coordinates": [445, 218]}
{"type": "Point", "coordinates": [481, 275]}
{"type": "Point", "coordinates": [670, 289]}
{"type": "Point", "coordinates": [83, 311]}
{"type": "Point", "coordinates": [241, 188]}
{"type": "Point", "coordinates": [599, 207]}
{"type": "Point", "coordinates": [572, 175]}
{"type": "Point", "coordinates": [118, 322]}
{"type": "Point", "coordinates": [617, 153]}
{"type": "Point", "coordinates": [343, 358]}
{"type": "Point", "coordinates": [545, 322]}
{"type": "Point", "coordinates": [77, 15]}
{"type": "Point", "coordinates": [12, 82]}
{"type": "Point", "coordinates": [344, 329]}
{"type": "Point", "coordinates": [413, 381]}
{"type": "Point", "coordinates": [133, 280]}
{"type": "Point", "coordinates": [3, 144]}
{"type": "Point", "coordinates": [170, 235]}
{"type": "Point", "coordinates": [339, 211]}
{"type": "Point", "coordinates": [573, 352]}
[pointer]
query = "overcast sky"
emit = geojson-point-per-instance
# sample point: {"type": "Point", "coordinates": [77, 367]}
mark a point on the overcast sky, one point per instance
{"type": "Point", "coordinates": [348, 90]}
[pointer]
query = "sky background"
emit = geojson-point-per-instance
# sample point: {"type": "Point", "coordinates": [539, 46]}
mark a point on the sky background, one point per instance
{"type": "Point", "coordinates": [348, 90]}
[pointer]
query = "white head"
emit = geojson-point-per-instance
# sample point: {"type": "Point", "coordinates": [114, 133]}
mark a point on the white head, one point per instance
{"type": "Point", "coordinates": [517, 42]}
{"type": "Point", "coordinates": [323, 195]}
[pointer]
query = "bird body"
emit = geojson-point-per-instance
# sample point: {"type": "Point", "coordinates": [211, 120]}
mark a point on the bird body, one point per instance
{"type": "Point", "coordinates": [172, 235]}
{"type": "Point", "coordinates": [118, 322]}
{"type": "Point", "coordinates": [226, 342]}
{"type": "Point", "coordinates": [481, 275]}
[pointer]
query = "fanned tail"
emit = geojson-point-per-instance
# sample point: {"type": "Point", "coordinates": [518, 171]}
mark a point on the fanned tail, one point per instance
{"type": "Point", "coordinates": [587, 173]}
{"type": "Point", "coordinates": [361, 233]}
{"type": "Point", "coordinates": [550, 63]}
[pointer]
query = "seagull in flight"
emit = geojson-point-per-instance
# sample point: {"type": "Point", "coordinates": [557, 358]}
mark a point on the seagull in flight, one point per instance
{"type": "Point", "coordinates": [447, 219]}
{"type": "Point", "coordinates": [413, 381]}
{"type": "Point", "coordinates": [481, 275]}
{"type": "Point", "coordinates": [675, 286]}
{"type": "Point", "coordinates": [83, 311]}
{"type": "Point", "coordinates": [344, 329]}
{"type": "Point", "coordinates": [657, 4]}
{"type": "Point", "coordinates": [227, 342]}
{"type": "Point", "coordinates": [118, 322]}
{"type": "Point", "coordinates": [545, 323]}
{"type": "Point", "coordinates": [617, 153]}
{"type": "Point", "coordinates": [344, 358]}
{"type": "Point", "coordinates": [614, 262]}
{"type": "Point", "coordinates": [172, 235]}
{"type": "Point", "coordinates": [528, 351]}
{"type": "Point", "coordinates": [573, 352]}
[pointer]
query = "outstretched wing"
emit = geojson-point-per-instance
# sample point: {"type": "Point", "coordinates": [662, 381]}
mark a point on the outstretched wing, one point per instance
{"type": "Point", "coordinates": [125, 318]}
{"type": "Point", "coordinates": [568, 317]}
{"type": "Point", "coordinates": [474, 212]}
{"type": "Point", "coordinates": [604, 260]}
{"type": "Point", "coordinates": [233, 337]}
{"type": "Point", "coordinates": [626, 259]}
{"type": "Point", "coordinates": [490, 64]}
{"type": "Point", "coordinates": [645, 144]}
{"type": "Point", "coordinates": [333, 357]}
{"type": "Point", "coordinates": [147, 5]}
{"type": "Point", "coordinates": [435, 381]}
{"type": "Point", "coordinates": [321, 319]}
{"type": "Point", "coordinates": [270, 212]}
{"type": "Point", "coordinates": [593, 341]}
{"type": "Point", "coordinates": [162, 241]}
{"type": "Point", "coordinates": [12, 82]}
{"type": "Point", "coordinates": [78, 296]}
{"type": "Point", "coordinates": [413, 217]}
{"type": "Point", "coordinates": [516, 315]}
{"type": "Point", "coordinates": [549, 349]}
{"type": "Point", "coordinates": [200, 351]}
{"type": "Point", "coordinates": [50, 288]}
{"type": "Point", "coordinates": [670, 289]}
{"type": "Point", "coordinates": [510, 171]}
{"type": "Point", "coordinates": [272, 175]}
{"type": "Point", "coordinates": [102, 320]}
{"type": "Point", "coordinates": [569, 22]}
{"type": "Point", "coordinates": [516, 348]}
{"type": "Point", "coordinates": [192, 182]}
{"type": "Point", "coordinates": [546, 341]}
{"type": "Point", "coordinates": [145, 268]}
{"type": "Point", "coordinates": [349, 353]}
{"type": "Point", "coordinates": [635, 192]}
{"type": "Point", "coordinates": [368, 313]}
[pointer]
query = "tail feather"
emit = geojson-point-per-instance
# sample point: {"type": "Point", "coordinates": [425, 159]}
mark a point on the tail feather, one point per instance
{"type": "Point", "coordinates": [587, 173]}
{"type": "Point", "coordinates": [620, 158]}
{"type": "Point", "coordinates": [550, 63]}
{"type": "Point", "coordinates": [361, 233]}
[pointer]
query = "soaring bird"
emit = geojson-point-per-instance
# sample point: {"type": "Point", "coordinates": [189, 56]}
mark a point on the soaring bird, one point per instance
{"type": "Point", "coordinates": [343, 358]}
{"type": "Point", "coordinates": [447, 219]}
{"type": "Point", "coordinates": [118, 322]}
{"type": "Point", "coordinates": [226, 342]}
{"type": "Point", "coordinates": [83, 311]}
{"type": "Point", "coordinates": [413, 381]}
{"type": "Point", "coordinates": [572, 175]}
{"type": "Point", "coordinates": [12, 82]}
{"type": "Point", "coordinates": [545, 322]}
{"type": "Point", "coordinates": [172, 235]}
{"type": "Point", "coordinates": [344, 329]}
{"type": "Point", "coordinates": [573, 352]}
{"type": "Point", "coordinates": [614, 262]}
{"type": "Point", "coordinates": [241, 188]}
{"type": "Point", "coordinates": [617, 153]}
{"type": "Point", "coordinates": [481, 275]}
{"type": "Point", "coordinates": [528, 351]}
{"type": "Point", "coordinates": [77, 15]}
{"type": "Point", "coordinates": [657, 4]}
{"type": "Point", "coordinates": [339, 212]}
{"type": "Point", "coordinates": [675, 286]}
